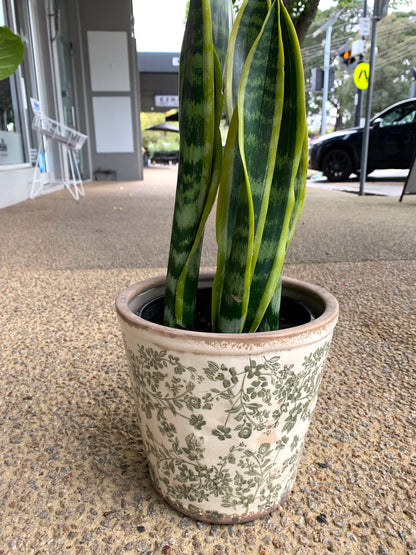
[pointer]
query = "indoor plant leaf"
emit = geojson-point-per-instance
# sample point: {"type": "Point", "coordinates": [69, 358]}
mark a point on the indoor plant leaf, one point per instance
{"type": "Point", "coordinates": [222, 21]}
{"type": "Point", "coordinates": [235, 232]}
{"type": "Point", "coordinates": [196, 125]}
{"type": "Point", "coordinates": [11, 52]}
{"type": "Point", "coordinates": [283, 202]}
{"type": "Point", "coordinates": [248, 23]}
{"type": "Point", "coordinates": [180, 307]}
{"type": "Point", "coordinates": [260, 103]}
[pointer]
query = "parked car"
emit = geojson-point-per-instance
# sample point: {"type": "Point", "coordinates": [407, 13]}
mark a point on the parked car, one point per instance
{"type": "Point", "coordinates": [392, 144]}
{"type": "Point", "coordinates": [165, 157]}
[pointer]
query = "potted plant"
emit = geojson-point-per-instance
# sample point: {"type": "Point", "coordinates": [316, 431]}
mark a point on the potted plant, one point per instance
{"type": "Point", "coordinates": [11, 52]}
{"type": "Point", "coordinates": [224, 396]}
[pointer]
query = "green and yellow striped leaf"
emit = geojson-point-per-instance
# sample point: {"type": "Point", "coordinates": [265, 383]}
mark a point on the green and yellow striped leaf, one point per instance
{"type": "Point", "coordinates": [235, 234]}
{"type": "Point", "coordinates": [222, 22]}
{"type": "Point", "coordinates": [299, 187]}
{"type": "Point", "coordinates": [248, 23]}
{"type": "Point", "coordinates": [261, 175]}
{"type": "Point", "coordinates": [287, 193]}
{"type": "Point", "coordinates": [194, 254]}
{"type": "Point", "coordinates": [196, 126]}
{"type": "Point", "coordinates": [260, 102]}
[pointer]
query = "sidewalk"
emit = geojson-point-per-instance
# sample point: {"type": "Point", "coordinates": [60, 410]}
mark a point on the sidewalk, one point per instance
{"type": "Point", "coordinates": [380, 182]}
{"type": "Point", "coordinates": [73, 474]}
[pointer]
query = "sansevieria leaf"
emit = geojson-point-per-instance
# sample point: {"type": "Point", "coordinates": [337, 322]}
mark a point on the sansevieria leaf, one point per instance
{"type": "Point", "coordinates": [262, 173]}
{"type": "Point", "coordinates": [271, 317]}
{"type": "Point", "coordinates": [260, 102]}
{"type": "Point", "coordinates": [258, 113]}
{"type": "Point", "coordinates": [196, 126]}
{"type": "Point", "coordinates": [247, 26]}
{"type": "Point", "coordinates": [285, 202]}
{"type": "Point", "coordinates": [180, 305]}
{"type": "Point", "coordinates": [222, 22]}
{"type": "Point", "coordinates": [299, 187]}
{"type": "Point", "coordinates": [235, 232]}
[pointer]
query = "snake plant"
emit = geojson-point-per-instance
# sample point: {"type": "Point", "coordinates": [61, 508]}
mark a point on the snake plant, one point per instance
{"type": "Point", "coordinates": [252, 70]}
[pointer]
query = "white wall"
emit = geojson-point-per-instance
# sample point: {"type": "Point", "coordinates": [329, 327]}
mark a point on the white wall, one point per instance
{"type": "Point", "coordinates": [15, 184]}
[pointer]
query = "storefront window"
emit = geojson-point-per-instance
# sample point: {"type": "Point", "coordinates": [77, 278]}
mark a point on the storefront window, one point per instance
{"type": "Point", "coordinates": [11, 145]}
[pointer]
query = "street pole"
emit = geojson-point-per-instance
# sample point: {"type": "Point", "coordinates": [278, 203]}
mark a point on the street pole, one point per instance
{"type": "Point", "coordinates": [366, 131]}
{"type": "Point", "coordinates": [358, 101]}
{"type": "Point", "coordinates": [327, 54]}
{"type": "Point", "coordinates": [327, 26]}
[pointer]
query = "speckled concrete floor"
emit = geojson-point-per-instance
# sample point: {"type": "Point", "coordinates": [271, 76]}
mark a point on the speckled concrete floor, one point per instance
{"type": "Point", "coordinates": [73, 474]}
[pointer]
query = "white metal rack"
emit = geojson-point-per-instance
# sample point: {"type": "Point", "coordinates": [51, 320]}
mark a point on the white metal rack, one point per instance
{"type": "Point", "coordinates": [70, 140]}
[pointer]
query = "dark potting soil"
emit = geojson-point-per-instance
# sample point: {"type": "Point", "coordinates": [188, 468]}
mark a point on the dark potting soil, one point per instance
{"type": "Point", "coordinates": [292, 312]}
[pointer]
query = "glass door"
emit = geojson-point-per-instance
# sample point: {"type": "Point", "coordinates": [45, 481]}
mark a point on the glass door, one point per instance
{"type": "Point", "coordinates": [66, 66]}
{"type": "Point", "coordinates": [13, 150]}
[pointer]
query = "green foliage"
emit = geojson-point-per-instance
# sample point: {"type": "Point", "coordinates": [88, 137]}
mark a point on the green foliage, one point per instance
{"type": "Point", "coordinates": [11, 52]}
{"type": "Point", "coordinates": [198, 145]}
{"type": "Point", "coordinates": [396, 43]}
{"type": "Point", "coordinates": [157, 140]}
{"type": "Point", "coordinates": [396, 40]}
{"type": "Point", "coordinates": [262, 174]}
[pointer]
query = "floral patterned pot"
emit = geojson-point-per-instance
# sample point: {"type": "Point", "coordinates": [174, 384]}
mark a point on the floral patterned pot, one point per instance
{"type": "Point", "coordinates": [223, 417]}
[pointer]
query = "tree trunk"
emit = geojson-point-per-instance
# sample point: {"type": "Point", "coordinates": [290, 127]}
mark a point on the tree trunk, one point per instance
{"type": "Point", "coordinates": [302, 20]}
{"type": "Point", "coordinates": [338, 121]}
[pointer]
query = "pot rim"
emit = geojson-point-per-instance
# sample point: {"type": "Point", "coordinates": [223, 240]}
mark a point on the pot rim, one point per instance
{"type": "Point", "coordinates": [316, 296]}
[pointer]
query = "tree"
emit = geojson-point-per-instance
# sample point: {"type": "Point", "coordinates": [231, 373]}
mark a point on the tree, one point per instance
{"type": "Point", "coordinates": [396, 40]}
{"type": "Point", "coordinates": [303, 13]}
{"type": "Point", "coordinates": [155, 141]}
{"type": "Point", "coordinates": [396, 45]}
{"type": "Point", "coordinates": [344, 31]}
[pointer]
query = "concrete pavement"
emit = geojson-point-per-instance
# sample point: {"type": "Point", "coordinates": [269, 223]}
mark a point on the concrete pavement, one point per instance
{"type": "Point", "coordinates": [73, 473]}
{"type": "Point", "coordinates": [380, 182]}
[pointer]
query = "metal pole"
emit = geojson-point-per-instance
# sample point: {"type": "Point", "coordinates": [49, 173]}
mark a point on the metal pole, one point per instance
{"type": "Point", "coordinates": [366, 132]}
{"type": "Point", "coordinates": [327, 54]}
{"type": "Point", "coordinates": [358, 101]}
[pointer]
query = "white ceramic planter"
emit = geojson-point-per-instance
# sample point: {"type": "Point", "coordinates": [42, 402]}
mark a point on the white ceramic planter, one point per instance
{"type": "Point", "coordinates": [223, 417]}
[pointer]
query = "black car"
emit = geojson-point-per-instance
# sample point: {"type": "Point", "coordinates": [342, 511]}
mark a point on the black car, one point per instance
{"type": "Point", "coordinates": [392, 144]}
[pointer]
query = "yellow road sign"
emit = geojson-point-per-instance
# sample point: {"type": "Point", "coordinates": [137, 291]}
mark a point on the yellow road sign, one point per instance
{"type": "Point", "coordinates": [361, 74]}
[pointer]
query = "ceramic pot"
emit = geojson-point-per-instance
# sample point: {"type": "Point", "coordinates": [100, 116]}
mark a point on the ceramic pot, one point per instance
{"type": "Point", "coordinates": [223, 417]}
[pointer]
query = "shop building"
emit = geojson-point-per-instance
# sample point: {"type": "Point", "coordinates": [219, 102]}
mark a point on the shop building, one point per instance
{"type": "Point", "coordinates": [80, 64]}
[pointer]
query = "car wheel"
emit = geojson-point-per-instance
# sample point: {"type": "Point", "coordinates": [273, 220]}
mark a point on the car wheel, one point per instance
{"type": "Point", "coordinates": [337, 165]}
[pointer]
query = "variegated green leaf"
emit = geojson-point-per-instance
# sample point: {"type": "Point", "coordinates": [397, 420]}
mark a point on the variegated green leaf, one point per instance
{"type": "Point", "coordinates": [248, 23]}
{"type": "Point", "coordinates": [282, 197]}
{"type": "Point", "coordinates": [182, 318]}
{"type": "Point", "coordinates": [11, 52]}
{"type": "Point", "coordinates": [300, 187]}
{"type": "Point", "coordinates": [196, 125]}
{"type": "Point", "coordinates": [222, 22]}
{"type": "Point", "coordinates": [271, 317]}
{"type": "Point", "coordinates": [235, 231]}
{"type": "Point", "coordinates": [260, 102]}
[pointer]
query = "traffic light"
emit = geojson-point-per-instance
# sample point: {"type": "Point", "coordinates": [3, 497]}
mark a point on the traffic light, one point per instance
{"type": "Point", "coordinates": [348, 60]}
{"type": "Point", "coordinates": [381, 8]}
{"type": "Point", "coordinates": [317, 79]}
